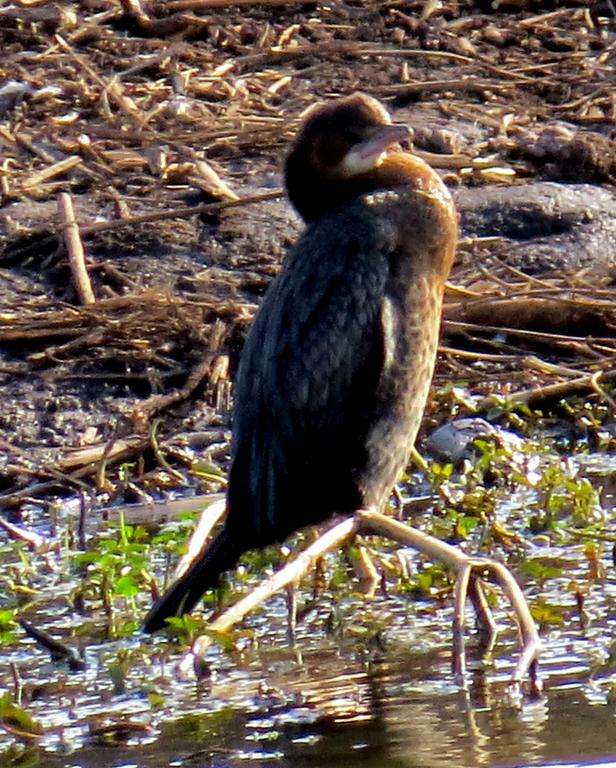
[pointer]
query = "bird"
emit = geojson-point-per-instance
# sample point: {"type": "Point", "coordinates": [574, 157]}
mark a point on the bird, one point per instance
{"type": "Point", "coordinates": [336, 368]}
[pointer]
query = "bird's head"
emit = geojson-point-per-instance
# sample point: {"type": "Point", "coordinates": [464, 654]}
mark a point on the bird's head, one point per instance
{"type": "Point", "coordinates": [337, 152]}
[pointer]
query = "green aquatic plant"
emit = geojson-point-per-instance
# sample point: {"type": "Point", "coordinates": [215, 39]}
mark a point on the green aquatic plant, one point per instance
{"type": "Point", "coordinates": [115, 571]}
{"type": "Point", "coordinates": [565, 499]}
{"type": "Point", "coordinates": [8, 627]}
{"type": "Point", "coordinates": [17, 720]}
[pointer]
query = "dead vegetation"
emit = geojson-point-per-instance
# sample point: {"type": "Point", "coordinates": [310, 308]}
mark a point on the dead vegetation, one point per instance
{"type": "Point", "coordinates": [162, 121]}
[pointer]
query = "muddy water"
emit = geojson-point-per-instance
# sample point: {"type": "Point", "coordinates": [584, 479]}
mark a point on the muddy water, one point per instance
{"type": "Point", "coordinates": [333, 701]}
{"type": "Point", "coordinates": [333, 710]}
{"type": "Point", "coordinates": [340, 697]}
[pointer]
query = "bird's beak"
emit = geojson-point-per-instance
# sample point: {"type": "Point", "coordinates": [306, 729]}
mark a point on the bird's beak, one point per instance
{"type": "Point", "coordinates": [366, 155]}
{"type": "Point", "coordinates": [384, 136]}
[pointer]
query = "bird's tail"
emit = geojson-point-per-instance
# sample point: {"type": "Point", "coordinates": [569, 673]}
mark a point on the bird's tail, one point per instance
{"type": "Point", "coordinates": [182, 596]}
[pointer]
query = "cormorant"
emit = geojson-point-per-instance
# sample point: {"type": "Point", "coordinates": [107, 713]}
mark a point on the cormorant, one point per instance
{"type": "Point", "coordinates": [336, 369]}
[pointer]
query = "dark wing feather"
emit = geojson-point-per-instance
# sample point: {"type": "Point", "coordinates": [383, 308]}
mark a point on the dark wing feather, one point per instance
{"type": "Point", "coordinates": [304, 397]}
{"type": "Point", "coordinates": [307, 380]}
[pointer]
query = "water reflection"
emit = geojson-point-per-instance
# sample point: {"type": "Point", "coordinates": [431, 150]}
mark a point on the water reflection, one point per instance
{"type": "Point", "coordinates": [393, 712]}
{"type": "Point", "coordinates": [331, 709]}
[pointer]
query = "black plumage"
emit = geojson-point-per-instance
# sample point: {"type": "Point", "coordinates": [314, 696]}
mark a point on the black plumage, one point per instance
{"type": "Point", "coordinates": [336, 368]}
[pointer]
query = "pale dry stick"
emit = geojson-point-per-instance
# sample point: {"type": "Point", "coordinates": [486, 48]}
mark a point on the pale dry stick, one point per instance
{"type": "Point", "coordinates": [555, 338]}
{"type": "Point", "coordinates": [552, 391]}
{"type": "Point", "coordinates": [195, 5]}
{"type": "Point", "coordinates": [485, 356]}
{"type": "Point", "coordinates": [543, 366]}
{"type": "Point", "coordinates": [181, 212]}
{"type": "Point", "coordinates": [155, 514]}
{"type": "Point", "coordinates": [494, 279]}
{"type": "Point", "coordinates": [32, 539]}
{"type": "Point", "coordinates": [74, 249]}
{"type": "Point", "coordinates": [90, 28]}
{"type": "Point", "coordinates": [527, 310]}
{"type": "Point", "coordinates": [31, 492]}
{"type": "Point", "coordinates": [90, 454]}
{"type": "Point", "coordinates": [596, 387]}
{"type": "Point", "coordinates": [56, 169]}
{"type": "Point", "coordinates": [439, 160]}
{"type": "Point", "coordinates": [522, 275]}
{"type": "Point", "coordinates": [464, 85]}
{"type": "Point", "coordinates": [542, 67]}
{"type": "Point", "coordinates": [577, 103]}
{"type": "Point", "coordinates": [602, 352]}
{"type": "Point", "coordinates": [569, 295]}
{"type": "Point", "coordinates": [531, 21]}
{"type": "Point", "coordinates": [351, 48]}
{"type": "Point", "coordinates": [113, 87]}
{"type": "Point", "coordinates": [174, 49]}
{"type": "Point", "coordinates": [370, 522]}
{"type": "Point", "coordinates": [26, 142]}
{"type": "Point", "coordinates": [460, 290]}
{"type": "Point", "coordinates": [454, 109]}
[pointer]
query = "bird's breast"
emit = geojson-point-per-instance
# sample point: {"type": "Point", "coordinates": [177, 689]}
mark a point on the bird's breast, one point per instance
{"type": "Point", "coordinates": [410, 321]}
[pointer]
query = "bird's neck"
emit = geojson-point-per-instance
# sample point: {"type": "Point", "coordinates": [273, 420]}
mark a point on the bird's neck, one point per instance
{"type": "Point", "coordinates": [402, 169]}
{"type": "Point", "coordinates": [312, 193]}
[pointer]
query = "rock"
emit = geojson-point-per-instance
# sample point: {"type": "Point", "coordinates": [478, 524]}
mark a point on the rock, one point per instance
{"type": "Point", "coordinates": [545, 226]}
{"type": "Point", "coordinates": [453, 442]}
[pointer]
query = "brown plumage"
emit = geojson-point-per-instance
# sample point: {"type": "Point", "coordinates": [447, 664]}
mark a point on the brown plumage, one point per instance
{"type": "Point", "coordinates": [337, 366]}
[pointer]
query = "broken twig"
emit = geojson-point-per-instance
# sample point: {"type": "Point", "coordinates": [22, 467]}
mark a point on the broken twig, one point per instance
{"type": "Point", "coordinates": [74, 249]}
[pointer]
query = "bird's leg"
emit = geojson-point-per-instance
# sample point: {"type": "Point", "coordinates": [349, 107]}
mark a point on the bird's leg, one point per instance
{"type": "Point", "coordinates": [365, 570]}
{"type": "Point", "coordinates": [458, 658]}
{"type": "Point", "coordinates": [465, 567]}
{"type": "Point", "coordinates": [531, 645]}
{"type": "Point", "coordinates": [468, 570]}
{"type": "Point", "coordinates": [469, 585]}
{"type": "Point", "coordinates": [200, 537]}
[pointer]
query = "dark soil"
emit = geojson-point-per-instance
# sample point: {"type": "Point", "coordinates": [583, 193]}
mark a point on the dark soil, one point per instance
{"type": "Point", "coordinates": [164, 108]}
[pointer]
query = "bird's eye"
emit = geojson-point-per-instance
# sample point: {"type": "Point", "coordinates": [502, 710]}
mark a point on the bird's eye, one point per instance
{"type": "Point", "coordinates": [330, 148]}
{"type": "Point", "coordinates": [356, 133]}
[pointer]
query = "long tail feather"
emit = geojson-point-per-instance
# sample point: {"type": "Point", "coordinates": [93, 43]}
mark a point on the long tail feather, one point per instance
{"type": "Point", "coordinates": [182, 596]}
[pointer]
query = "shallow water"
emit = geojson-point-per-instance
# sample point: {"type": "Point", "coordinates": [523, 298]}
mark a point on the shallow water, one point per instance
{"type": "Point", "coordinates": [334, 702]}
{"type": "Point", "coordinates": [340, 697]}
{"type": "Point", "coordinates": [328, 710]}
